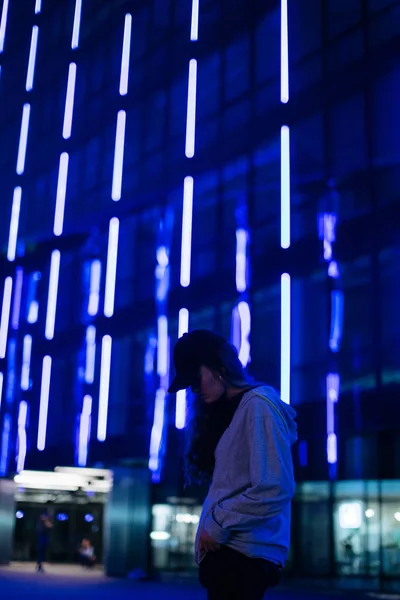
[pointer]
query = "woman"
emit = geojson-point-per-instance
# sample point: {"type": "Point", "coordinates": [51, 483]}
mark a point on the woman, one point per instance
{"type": "Point", "coordinates": [240, 438]}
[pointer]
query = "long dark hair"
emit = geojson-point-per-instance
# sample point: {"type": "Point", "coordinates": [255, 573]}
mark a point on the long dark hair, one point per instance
{"type": "Point", "coordinates": [207, 422]}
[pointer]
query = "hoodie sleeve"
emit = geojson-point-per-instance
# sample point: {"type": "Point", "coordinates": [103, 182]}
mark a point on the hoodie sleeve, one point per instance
{"type": "Point", "coordinates": [271, 476]}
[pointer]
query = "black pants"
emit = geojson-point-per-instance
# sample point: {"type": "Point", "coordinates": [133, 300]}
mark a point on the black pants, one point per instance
{"type": "Point", "coordinates": [230, 575]}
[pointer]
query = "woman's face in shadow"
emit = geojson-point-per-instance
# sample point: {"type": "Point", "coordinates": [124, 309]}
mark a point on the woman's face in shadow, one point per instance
{"type": "Point", "coordinates": [210, 385]}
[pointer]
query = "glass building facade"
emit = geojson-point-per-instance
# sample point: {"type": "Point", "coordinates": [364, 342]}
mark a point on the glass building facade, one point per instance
{"type": "Point", "coordinates": [225, 165]}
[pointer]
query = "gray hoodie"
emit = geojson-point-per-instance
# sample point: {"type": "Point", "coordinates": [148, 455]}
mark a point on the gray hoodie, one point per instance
{"type": "Point", "coordinates": [249, 501]}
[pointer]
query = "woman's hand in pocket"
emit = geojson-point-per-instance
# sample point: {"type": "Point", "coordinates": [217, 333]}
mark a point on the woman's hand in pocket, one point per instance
{"type": "Point", "coordinates": [207, 543]}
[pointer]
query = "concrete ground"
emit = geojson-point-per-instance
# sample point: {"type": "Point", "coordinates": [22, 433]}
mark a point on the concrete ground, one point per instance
{"type": "Point", "coordinates": [60, 582]}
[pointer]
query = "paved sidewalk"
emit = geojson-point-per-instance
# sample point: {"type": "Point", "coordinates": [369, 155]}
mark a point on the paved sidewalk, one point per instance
{"type": "Point", "coordinates": [68, 581]}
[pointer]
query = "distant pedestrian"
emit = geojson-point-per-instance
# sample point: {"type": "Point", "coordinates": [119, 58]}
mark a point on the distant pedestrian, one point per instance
{"type": "Point", "coordinates": [241, 435]}
{"type": "Point", "coordinates": [44, 526]}
{"type": "Point", "coordinates": [87, 557]}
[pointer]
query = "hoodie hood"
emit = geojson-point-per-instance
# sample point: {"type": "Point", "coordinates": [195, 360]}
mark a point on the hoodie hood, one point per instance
{"type": "Point", "coordinates": [287, 412]}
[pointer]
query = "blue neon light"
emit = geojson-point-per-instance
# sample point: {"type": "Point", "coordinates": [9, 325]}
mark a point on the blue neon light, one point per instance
{"type": "Point", "coordinates": [94, 294]}
{"type": "Point", "coordinates": [23, 138]}
{"type": "Point", "coordinates": [1, 387]}
{"type": "Point", "coordinates": [26, 362]}
{"type": "Point", "coordinates": [14, 224]}
{"type": "Point", "coordinates": [19, 514]}
{"type": "Point", "coordinates": [61, 193]}
{"type": "Point", "coordinates": [284, 53]}
{"type": "Point", "coordinates": [118, 156]}
{"type": "Point", "coordinates": [69, 102]}
{"type": "Point", "coordinates": [194, 29]}
{"type": "Point", "coordinates": [187, 218]}
{"type": "Point", "coordinates": [337, 306]}
{"type": "Point", "coordinates": [77, 24]}
{"type": "Point", "coordinates": [191, 110]}
{"type": "Point", "coordinates": [32, 59]}
{"type": "Point", "coordinates": [52, 295]}
{"type": "Point", "coordinates": [89, 518]}
{"type": "Point", "coordinates": [5, 442]}
{"type": "Point", "coordinates": [44, 403]}
{"type": "Point", "coordinates": [104, 391]}
{"type": "Point", "coordinates": [111, 269]}
{"type": "Point", "coordinates": [181, 396]}
{"type": "Point", "coordinates": [126, 50]}
{"type": "Point", "coordinates": [285, 337]}
{"type": "Point", "coordinates": [84, 431]}
{"type": "Point", "coordinates": [5, 315]}
{"type": "Point", "coordinates": [3, 24]}
{"type": "Point", "coordinates": [90, 353]}
{"type": "Point", "coordinates": [285, 187]}
{"type": "Point", "coordinates": [19, 279]}
{"type": "Point", "coordinates": [157, 430]}
{"type": "Point", "coordinates": [22, 442]}
{"type": "Point", "coordinates": [38, 7]}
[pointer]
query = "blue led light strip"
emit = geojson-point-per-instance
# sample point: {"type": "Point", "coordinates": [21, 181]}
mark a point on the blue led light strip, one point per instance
{"type": "Point", "coordinates": [3, 24]}
{"type": "Point", "coordinates": [285, 213]}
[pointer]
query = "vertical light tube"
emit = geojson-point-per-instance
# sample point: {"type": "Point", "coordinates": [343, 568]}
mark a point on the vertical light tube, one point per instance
{"type": "Point", "coordinates": [19, 279]}
{"type": "Point", "coordinates": [285, 187]}
{"type": "Point", "coordinates": [23, 139]}
{"type": "Point", "coordinates": [181, 396]}
{"type": "Point", "coordinates": [84, 431]}
{"type": "Point", "coordinates": [94, 294]}
{"type": "Point", "coordinates": [126, 51]}
{"type": "Point", "coordinates": [14, 224]}
{"type": "Point", "coordinates": [187, 218]}
{"type": "Point", "coordinates": [191, 109]}
{"type": "Point", "coordinates": [183, 324]}
{"type": "Point", "coordinates": [285, 337]}
{"type": "Point", "coordinates": [90, 353]}
{"type": "Point", "coordinates": [111, 269]}
{"type": "Point", "coordinates": [104, 392]}
{"type": "Point", "coordinates": [32, 59]}
{"type": "Point", "coordinates": [241, 260]}
{"type": "Point", "coordinates": [61, 193]}
{"type": "Point", "coordinates": [69, 102]}
{"type": "Point", "coordinates": [284, 53]}
{"type": "Point", "coordinates": [44, 403]}
{"type": "Point", "coordinates": [157, 430]}
{"type": "Point", "coordinates": [5, 315]}
{"type": "Point", "coordinates": [5, 443]}
{"type": "Point", "coordinates": [337, 307]}
{"type": "Point", "coordinates": [194, 29]}
{"type": "Point", "coordinates": [118, 156]}
{"type": "Point", "coordinates": [1, 387]}
{"type": "Point", "coordinates": [245, 330]}
{"type": "Point", "coordinates": [3, 24]}
{"type": "Point", "coordinates": [26, 362]}
{"type": "Point", "coordinates": [22, 418]}
{"type": "Point", "coordinates": [52, 295]}
{"type": "Point", "coordinates": [77, 25]}
{"type": "Point", "coordinates": [162, 348]}
{"type": "Point", "coordinates": [38, 6]}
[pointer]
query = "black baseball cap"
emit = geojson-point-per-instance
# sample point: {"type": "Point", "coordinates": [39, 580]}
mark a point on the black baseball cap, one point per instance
{"type": "Point", "coordinates": [194, 349]}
